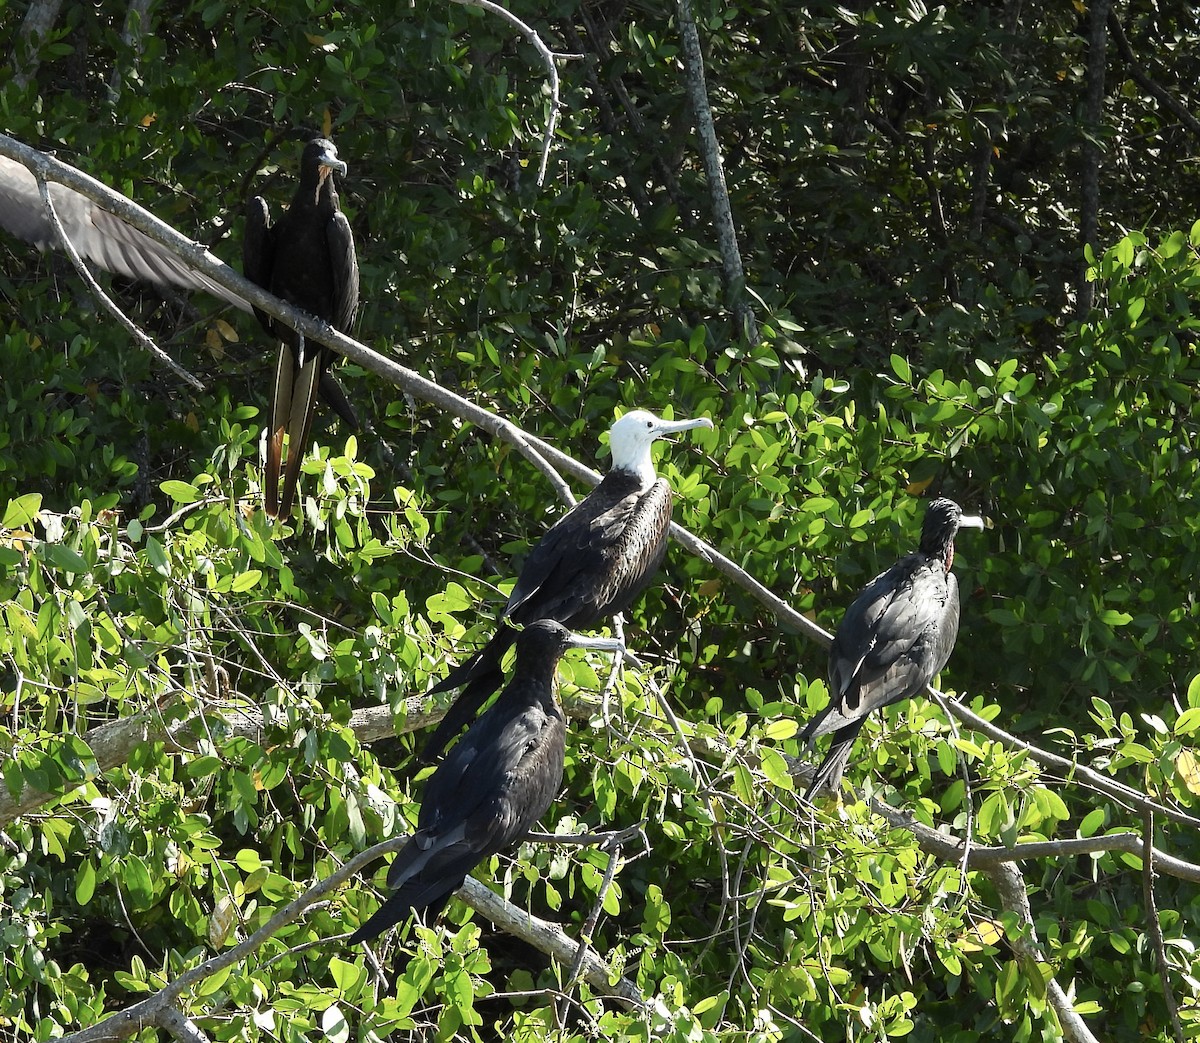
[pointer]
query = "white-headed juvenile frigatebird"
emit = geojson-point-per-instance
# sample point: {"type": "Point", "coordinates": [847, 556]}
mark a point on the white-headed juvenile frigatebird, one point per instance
{"type": "Point", "coordinates": [492, 787]}
{"type": "Point", "coordinates": [306, 257]}
{"type": "Point", "coordinates": [589, 567]}
{"type": "Point", "coordinates": [893, 639]}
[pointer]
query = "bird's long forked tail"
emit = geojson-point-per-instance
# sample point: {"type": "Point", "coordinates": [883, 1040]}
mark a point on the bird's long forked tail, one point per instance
{"type": "Point", "coordinates": [829, 772]}
{"type": "Point", "coordinates": [281, 401]}
{"type": "Point", "coordinates": [481, 675]}
{"type": "Point", "coordinates": [430, 897]}
{"type": "Point", "coordinates": [292, 407]}
{"type": "Point", "coordinates": [423, 877]}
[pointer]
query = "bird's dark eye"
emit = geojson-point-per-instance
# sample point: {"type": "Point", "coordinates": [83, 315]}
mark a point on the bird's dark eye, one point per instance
{"type": "Point", "coordinates": [649, 424]}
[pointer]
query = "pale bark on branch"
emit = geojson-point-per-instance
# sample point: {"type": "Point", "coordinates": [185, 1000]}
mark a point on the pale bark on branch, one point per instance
{"type": "Point", "coordinates": [1010, 888]}
{"type": "Point", "coordinates": [714, 171]}
{"type": "Point", "coordinates": [161, 1008]}
{"type": "Point", "coordinates": [1091, 153]}
{"type": "Point", "coordinates": [40, 17]}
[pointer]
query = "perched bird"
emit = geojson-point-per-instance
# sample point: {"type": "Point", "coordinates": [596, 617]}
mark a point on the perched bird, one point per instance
{"type": "Point", "coordinates": [589, 567]}
{"type": "Point", "coordinates": [108, 242]}
{"type": "Point", "coordinates": [306, 257]}
{"type": "Point", "coordinates": [893, 640]}
{"type": "Point", "coordinates": [97, 235]}
{"type": "Point", "coordinates": [492, 787]}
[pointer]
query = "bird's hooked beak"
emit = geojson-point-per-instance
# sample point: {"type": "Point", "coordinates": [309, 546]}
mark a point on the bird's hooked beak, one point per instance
{"type": "Point", "coordinates": [327, 164]}
{"type": "Point", "coordinates": [974, 521]}
{"type": "Point", "coordinates": [672, 427]}
{"type": "Point", "coordinates": [598, 644]}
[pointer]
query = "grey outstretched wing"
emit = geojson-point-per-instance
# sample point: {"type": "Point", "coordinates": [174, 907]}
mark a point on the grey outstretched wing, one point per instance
{"type": "Point", "coordinates": [98, 236]}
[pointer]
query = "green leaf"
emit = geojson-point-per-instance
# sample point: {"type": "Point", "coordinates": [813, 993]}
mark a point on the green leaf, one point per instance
{"type": "Point", "coordinates": [1092, 822]}
{"type": "Point", "coordinates": [780, 729]}
{"type": "Point", "coordinates": [181, 492]}
{"type": "Point", "coordinates": [1188, 722]}
{"type": "Point", "coordinates": [775, 768]}
{"type": "Point", "coordinates": [248, 861]}
{"type": "Point", "coordinates": [62, 558]}
{"type": "Point", "coordinates": [902, 369]}
{"type": "Point", "coordinates": [21, 512]}
{"type": "Point", "coordinates": [247, 580]}
{"type": "Point", "coordinates": [346, 976]}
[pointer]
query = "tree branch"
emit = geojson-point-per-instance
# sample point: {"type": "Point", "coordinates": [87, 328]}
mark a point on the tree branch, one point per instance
{"type": "Point", "coordinates": [1144, 80]}
{"type": "Point", "coordinates": [1089, 179]}
{"type": "Point", "coordinates": [1155, 928]}
{"type": "Point", "coordinates": [710, 154]}
{"type": "Point", "coordinates": [1106, 785]}
{"type": "Point", "coordinates": [612, 847]}
{"type": "Point", "coordinates": [949, 848]}
{"type": "Point", "coordinates": [1010, 887]}
{"type": "Point", "coordinates": [39, 20]}
{"type": "Point", "coordinates": [184, 1030]}
{"type": "Point", "coordinates": [547, 937]}
{"type": "Point", "coordinates": [549, 58]}
{"type": "Point", "coordinates": [113, 743]}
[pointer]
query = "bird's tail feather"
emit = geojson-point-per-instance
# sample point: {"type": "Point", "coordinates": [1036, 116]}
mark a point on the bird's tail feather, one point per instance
{"type": "Point", "coordinates": [425, 890]}
{"type": "Point", "coordinates": [281, 407]}
{"type": "Point", "coordinates": [423, 852]}
{"type": "Point", "coordinates": [829, 772]}
{"type": "Point", "coordinates": [303, 405]}
{"type": "Point", "coordinates": [482, 674]}
{"type": "Point", "coordinates": [398, 907]}
{"type": "Point", "coordinates": [334, 396]}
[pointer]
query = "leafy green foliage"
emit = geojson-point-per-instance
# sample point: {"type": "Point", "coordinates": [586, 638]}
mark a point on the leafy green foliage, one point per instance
{"type": "Point", "coordinates": [907, 219]}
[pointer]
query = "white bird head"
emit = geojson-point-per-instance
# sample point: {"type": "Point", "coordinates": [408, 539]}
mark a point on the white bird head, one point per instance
{"type": "Point", "coordinates": [632, 436]}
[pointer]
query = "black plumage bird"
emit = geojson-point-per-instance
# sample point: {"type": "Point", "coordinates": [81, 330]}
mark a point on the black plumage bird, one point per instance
{"type": "Point", "coordinates": [893, 640]}
{"type": "Point", "coordinates": [492, 787]}
{"type": "Point", "coordinates": [589, 567]}
{"type": "Point", "coordinates": [97, 235]}
{"type": "Point", "coordinates": [307, 257]}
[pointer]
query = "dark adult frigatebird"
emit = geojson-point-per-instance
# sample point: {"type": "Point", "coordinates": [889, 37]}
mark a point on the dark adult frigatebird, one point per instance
{"type": "Point", "coordinates": [97, 235]}
{"type": "Point", "coordinates": [893, 640]}
{"type": "Point", "coordinates": [589, 567]}
{"type": "Point", "coordinates": [492, 787]}
{"type": "Point", "coordinates": [306, 257]}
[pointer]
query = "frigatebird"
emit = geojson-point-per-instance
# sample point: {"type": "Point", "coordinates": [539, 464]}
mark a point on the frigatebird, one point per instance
{"type": "Point", "coordinates": [307, 257]}
{"type": "Point", "coordinates": [894, 638]}
{"type": "Point", "coordinates": [97, 235]}
{"type": "Point", "coordinates": [492, 787]}
{"type": "Point", "coordinates": [589, 567]}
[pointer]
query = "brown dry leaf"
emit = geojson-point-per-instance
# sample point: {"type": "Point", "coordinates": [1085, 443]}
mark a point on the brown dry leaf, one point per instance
{"type": "Point", "coordinates": [982, 934]}
{"type": "Point", "coordinates": [1188, 767]}
{"type": "Point", "coordinates": [221, 922]}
